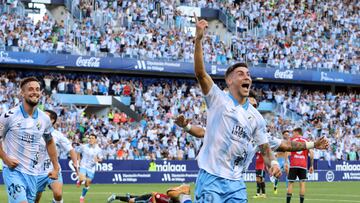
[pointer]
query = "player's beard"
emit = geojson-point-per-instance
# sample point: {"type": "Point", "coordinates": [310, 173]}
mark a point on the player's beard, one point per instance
{"type": "Point", "coordinates": [32, 103]}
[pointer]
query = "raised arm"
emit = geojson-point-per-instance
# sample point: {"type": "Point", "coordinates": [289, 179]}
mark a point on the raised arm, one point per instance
{"type": "Point", "coordinates": [200, 72]}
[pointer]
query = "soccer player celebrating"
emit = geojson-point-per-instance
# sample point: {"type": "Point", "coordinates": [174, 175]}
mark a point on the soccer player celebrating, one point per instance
{"type": "Point", "coordinates": [298, 166]}
{"type": "Point", "coordinates": [276, 144]}
{"type": "Point", "coordinates": [91, 154]}
{"type": "Point", "coordinates": [22, 129]}
{"type": "Point", "coordinates": [234, 130]}
{"type": "Point", "coordinates": [260, 176]}
{"type": "Point", "coordinates": [45, 166]}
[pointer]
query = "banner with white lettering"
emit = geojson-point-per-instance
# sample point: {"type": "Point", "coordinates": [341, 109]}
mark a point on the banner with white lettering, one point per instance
{"type": "Point", "coordinates": [118, 171]}
{"type": "Point", "coordinates": [174, 67]}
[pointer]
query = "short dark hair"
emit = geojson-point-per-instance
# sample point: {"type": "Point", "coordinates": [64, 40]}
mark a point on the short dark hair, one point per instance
{"type": "Point", "coordinates": [53, 115]}
{"type": "Point", "coordinates": [27, 80]}
{"type": "Point", "coordinates": [93, 134]}
{"type": "Point", "coordinates": [285, 131]}
{"type": "Point", "coordinates": [233, 67]}
{"type": "Point", "coordinates": [298, 130]}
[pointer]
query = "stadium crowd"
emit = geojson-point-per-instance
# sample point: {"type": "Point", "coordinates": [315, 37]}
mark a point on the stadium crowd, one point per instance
{"type": "Point", "coordinates": [156, 136]}
{"type": "Point", "coordinates": [319, 34]}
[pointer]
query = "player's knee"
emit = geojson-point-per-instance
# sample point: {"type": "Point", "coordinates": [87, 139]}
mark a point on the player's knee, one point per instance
{"type": "Point", "coordinates": [57, 194]}
{"type": "Point", "coordinates": [87, 183]}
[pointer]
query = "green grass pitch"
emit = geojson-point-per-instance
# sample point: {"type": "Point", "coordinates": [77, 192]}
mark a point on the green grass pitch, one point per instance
{"type": "Point", "coordinates": [317, 192]}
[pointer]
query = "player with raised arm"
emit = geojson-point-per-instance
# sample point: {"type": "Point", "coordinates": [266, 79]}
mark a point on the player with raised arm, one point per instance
{"type": "Point", "coordinates": [21, 131]}
{"type": "Point", "coordinates": [298, 166]}
{"type": "Point", "coordinates": [45, 166]}
{"type": "Point", "coordinates": [276, 144]}
{"type": "Point", "coordinates": [90, 155]}
{"type": "Point", "coordinates": [234, 130]}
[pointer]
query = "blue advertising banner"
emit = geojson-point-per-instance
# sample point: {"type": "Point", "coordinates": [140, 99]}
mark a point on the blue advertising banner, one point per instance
{"type": "Point", "coordinates": [175, 67]}
{"type": "Point", "coordinates": [116, 171]}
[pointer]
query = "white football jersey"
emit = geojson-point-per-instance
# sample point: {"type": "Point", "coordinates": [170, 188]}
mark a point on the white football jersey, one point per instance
{"type": "Point", "coordinates": [62, 145]}
{"type": "Point", "coordinates": [21, 136]}
{"type": "Point", "coordinates": [89, 153]}
{"type": "Point", "coordinates": [232, 135]}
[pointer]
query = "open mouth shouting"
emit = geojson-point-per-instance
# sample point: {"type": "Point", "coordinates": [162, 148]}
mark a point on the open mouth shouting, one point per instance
{"type": "Point", "coordinates": [246, 86]}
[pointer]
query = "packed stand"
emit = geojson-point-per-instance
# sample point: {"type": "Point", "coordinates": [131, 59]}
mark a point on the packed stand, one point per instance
{"type": "Point", "coordinates": [322, 35]}
{"type": "Point", "coordinates": [158, 101]}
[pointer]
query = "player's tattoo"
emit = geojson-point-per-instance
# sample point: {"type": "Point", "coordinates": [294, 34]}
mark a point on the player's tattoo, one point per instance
{"type": "Point", "coordinates": [266, 152]}
{"type": "Point", "coordinates": [291, 146]}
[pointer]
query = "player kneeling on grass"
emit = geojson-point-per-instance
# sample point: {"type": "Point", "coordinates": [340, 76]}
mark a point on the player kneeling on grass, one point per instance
{"type": "Point", "coordinates": [91, 154]}
{"type": "Point", "coordinates": [180, 194]}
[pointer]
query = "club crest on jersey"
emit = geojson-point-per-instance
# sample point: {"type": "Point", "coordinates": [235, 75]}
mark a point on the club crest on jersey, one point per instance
{"type": "Point", "coordinates": [38, 125]}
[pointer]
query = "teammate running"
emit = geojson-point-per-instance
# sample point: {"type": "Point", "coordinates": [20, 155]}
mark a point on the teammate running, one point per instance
{"type": "Point", "coordinates": [21, 131]}
{"type": "Point", "coordinates": [91, 154]}
{"type": "Point", "coordinates": [298, 166]}
{"type": "Point", "coordinates": [45, 166]}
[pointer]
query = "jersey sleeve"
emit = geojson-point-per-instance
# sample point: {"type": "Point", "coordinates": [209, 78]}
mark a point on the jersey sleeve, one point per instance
{"type": "Point", "coordinates": [65, 143]}
{"type": "Point", "coordinates": [260, 136]}
{"type": "Point", "coordinates": [80, 149]}
{"type": "Point", "coordinates": [4, 124]}
{"type": "Point", "coordinates": [48, 130]}
{"type": "Point", "coordinates": [273, 142]}
{"type": "Point", "coordinates": [215, 97]}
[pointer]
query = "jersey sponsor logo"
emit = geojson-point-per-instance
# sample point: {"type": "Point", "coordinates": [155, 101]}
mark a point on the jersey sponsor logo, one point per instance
{"type": "Point", "coordinates": [240, 133]}
{"type": "Point", "coordinates": [29, 138]}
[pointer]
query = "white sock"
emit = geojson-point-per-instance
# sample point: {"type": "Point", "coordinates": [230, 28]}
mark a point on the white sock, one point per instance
{"type": "Point", "coordinates": [185, 198]}
{"type": "Point", "coordinates": [61, 201]}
